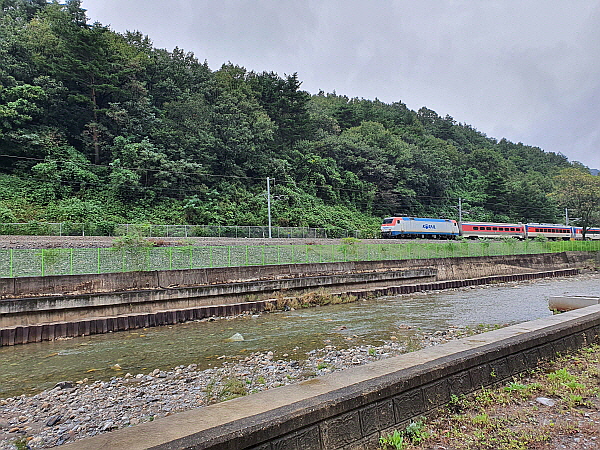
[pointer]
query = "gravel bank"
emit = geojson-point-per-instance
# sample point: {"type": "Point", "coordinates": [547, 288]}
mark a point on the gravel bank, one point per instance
{"type": "Point", "coordinates": [107, 241]}
{"type": "Point", "coordinates": [76, 410]}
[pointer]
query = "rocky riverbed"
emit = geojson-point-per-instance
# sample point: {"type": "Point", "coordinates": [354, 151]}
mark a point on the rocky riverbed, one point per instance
{"type": "Point", "coordinates": [75, 410]}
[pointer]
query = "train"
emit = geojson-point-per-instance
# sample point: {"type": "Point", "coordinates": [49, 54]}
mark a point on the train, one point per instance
{"type": "Point", "coordinates": [432, 228]}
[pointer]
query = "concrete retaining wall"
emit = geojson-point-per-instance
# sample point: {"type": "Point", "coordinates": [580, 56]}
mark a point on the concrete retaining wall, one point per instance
{"type": "Point", "coordinates": [41, 308]}
{"type": "Point", "coordinates": [44, 309]}
{"type": "Point", "coordinates": [23, 334]}
{"type": "Point", "coordinates": [447, 269]}
{"type": "Point", "coordinates": [353, 408]}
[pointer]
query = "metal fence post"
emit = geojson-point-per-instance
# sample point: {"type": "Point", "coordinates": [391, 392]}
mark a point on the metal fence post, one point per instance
{"type": "Point", "coordinates": [43, 273]}
{"type": "Point", "coordinates": [11, 269]}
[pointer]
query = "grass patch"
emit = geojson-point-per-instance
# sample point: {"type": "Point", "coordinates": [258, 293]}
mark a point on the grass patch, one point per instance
{"type": "Point", "coordinates": [508, 417]}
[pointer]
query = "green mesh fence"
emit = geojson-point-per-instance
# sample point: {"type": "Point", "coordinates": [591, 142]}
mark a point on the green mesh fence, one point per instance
{"type": "Point", "coordinates": [70, 261]}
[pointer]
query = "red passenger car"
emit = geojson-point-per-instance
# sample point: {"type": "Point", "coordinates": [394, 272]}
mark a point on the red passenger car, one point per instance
{"type": "Point", "coordinates": [550, 231]}
{"type": "Point", "coordinates": [475, 230]}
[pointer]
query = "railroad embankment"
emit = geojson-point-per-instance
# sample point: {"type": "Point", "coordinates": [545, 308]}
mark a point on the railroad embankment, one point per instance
{"type": "Point", "coordinates": [33, 309]}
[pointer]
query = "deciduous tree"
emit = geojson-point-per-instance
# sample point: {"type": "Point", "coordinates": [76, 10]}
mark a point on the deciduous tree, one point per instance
{"type": "Point", "coordinates": [579, 191]}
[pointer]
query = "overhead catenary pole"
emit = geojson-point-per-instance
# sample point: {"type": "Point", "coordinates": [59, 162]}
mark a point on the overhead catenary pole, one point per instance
{"type": "Point", "coordinates": [459, 210]}
{"type": "Point", "coordinates": [566, 216]}
{"type": "Point", "coordinates": [269, 204]}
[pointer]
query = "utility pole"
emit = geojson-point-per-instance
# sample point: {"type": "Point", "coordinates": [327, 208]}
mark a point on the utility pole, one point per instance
{"type": "Point", "coordinates": [566, 216]}
{"type": "Point", "coordinates": [459, 210]}
{"type": "Point", "coordinates": [269, 203]}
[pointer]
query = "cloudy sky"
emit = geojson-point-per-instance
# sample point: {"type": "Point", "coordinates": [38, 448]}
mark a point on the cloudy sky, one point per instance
{"type": "Point", "coordinates": [526, 70]}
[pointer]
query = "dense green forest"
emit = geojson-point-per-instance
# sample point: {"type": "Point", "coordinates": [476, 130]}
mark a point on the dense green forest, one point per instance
{"type": "Point", "coordinates": [97, 126]}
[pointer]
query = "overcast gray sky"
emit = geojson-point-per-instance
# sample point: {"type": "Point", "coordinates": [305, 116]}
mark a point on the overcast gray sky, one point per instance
{"type": "Point", "coordinates": [526, 70]}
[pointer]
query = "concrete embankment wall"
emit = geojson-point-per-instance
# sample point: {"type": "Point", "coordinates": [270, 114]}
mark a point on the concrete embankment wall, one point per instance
{"type": "Point", "coordinates": [41, 309]}
{"type": "Point", "coordinates": [24, 334]}
{"type": "Point", "coordinates": [69, 306]}
{"type": "Point", "coordinates": [352, 409]}
{"type": "Point", "coordinates": [447, 269]}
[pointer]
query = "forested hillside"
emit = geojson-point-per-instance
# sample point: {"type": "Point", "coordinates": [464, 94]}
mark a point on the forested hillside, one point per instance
{"type": "Point", "coordinates": [97, 126]}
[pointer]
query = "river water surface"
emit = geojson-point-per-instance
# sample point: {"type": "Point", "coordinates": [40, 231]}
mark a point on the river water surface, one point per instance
{"type": "Point", "coordinates": [32, 367]}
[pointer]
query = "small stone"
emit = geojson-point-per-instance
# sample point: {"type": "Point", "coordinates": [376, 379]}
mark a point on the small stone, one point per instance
{"type": "Point", "coordinates": [108, 425]}
{"type": "Point", "coordinates": [545, 401]}
{"type": "Point", "coordinates": [53, 420]}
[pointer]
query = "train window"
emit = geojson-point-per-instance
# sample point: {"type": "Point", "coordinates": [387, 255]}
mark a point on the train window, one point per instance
{"type": "Point", "coordinates": [494, 228]}
{"type": "Point", "coordinates": [488, 228]}
{"type": "Point", "coordinates": [475, 228]}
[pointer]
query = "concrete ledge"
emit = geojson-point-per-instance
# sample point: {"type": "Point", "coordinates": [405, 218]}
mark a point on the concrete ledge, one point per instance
{"type": "Point", "coordinates": [353, 408]}
{"type": "Point", "coordinates": [569, 302]}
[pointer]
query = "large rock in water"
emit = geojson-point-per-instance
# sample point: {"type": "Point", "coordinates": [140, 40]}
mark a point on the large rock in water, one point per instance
{"type": "Point", "coordinates": [235, 338]}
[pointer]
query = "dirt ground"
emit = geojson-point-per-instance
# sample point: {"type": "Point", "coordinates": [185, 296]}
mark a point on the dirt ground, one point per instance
{"type": "Point", "coordinates": [555, 407]}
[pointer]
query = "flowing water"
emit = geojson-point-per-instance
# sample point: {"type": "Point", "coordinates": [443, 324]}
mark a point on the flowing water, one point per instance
{"type": "Point", "coordinates": [32, 367]}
